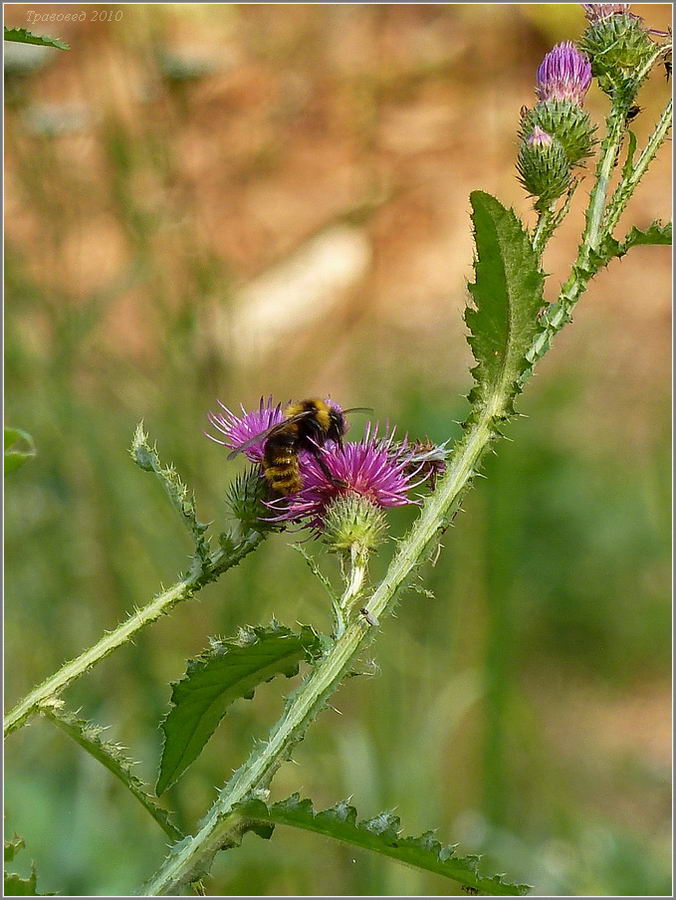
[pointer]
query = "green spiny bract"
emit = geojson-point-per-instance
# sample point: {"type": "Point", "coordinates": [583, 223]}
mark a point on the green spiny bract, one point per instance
{"type": "Point", "coordinates": [617, 47]}
{"type": "Point", "coordinates": [245, 498]}
{"type": "Point", "coordinates": [352, 520]}
{"type": "Point", "coordinates": [567, 122]}
{"type": "Point", "coordinates": [543, 170]}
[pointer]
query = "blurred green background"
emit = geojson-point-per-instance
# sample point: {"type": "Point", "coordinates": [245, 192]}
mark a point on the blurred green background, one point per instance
{"type": "Point", "coordinates": [228, 201]}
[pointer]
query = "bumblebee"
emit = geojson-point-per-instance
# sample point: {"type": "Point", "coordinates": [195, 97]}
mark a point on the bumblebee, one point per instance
{"type": "Point", "coordinates": [307, 425]}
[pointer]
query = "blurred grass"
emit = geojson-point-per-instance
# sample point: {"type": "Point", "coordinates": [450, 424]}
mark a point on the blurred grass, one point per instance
{"type": "Point", "coordinates": [152, 172]}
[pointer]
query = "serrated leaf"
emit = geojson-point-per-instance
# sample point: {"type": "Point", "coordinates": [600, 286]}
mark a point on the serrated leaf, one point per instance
{"type": "Point", "coordinates": [228, 671]}
{"type": "Point", "coordinates": [381, 834]}
{"type": "Point", "coordinates": [112, 756]}
{"type": "Point", "coordinates": [23, 36]}
{"type": "Point", "coordinates": [19, 448]}
{"type": "Point", "coordinates": [657, 233]}
{"type": "Point", "coordinates": [15, 885]}
{"type": "Point", "coordinates": [508, 294]}
{"type": "Point", "coordinates": [12, 847]}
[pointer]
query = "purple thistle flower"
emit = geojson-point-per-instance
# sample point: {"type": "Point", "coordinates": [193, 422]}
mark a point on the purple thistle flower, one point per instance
{"type": "Point", "coordinates": [564, 74]}
{"type": "Point", "coordinates": [596, 12]}
{"type": "Point", "coordinates": [237, 430]}
{"type": "Point", "coordinates": [374, 468]}
{"type": "Point", "coordinates": [539, 138]}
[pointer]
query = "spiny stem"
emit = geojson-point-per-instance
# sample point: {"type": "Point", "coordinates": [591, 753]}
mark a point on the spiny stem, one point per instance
{"type": "Point", "coordinates": [628, 185]}
{"type": "Point", "coordinates": [615, 124]}
{"type": "Point", "coordinates": [87, 736]}
{"type": "Point", "coordinates": [355, 583]}
{"type": "Point", "coordinates": [558, 314]}
{"type": "Point", "coordinates": [542, 231]}
{"type": "Point", "coordinates": [644, 71]}
{"type": "Point", "coordinates": [159, 606]}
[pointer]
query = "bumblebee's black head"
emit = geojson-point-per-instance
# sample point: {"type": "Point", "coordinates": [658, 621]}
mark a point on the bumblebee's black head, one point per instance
{"type": "Point", "coordinates": [337, 425]}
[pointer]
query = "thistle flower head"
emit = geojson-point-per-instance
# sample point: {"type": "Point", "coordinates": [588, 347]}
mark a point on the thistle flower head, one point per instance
{"type": "Point", "coordinates": [352, 521]}
{"type": "Point", "coordinates": [564, 122]}
{"type": "Point", "coordinates": [236, 430]}
{"type": "Point", "coordinates": [596, 12]}
{"type": "Point", "coordinates": [374, 468]}
{"type": "Point", "coordinates": [564, 74]}
{"type": "Point", "coordinates": [543, 168]}
{"type": "Point", "coordinates": [618, 47]}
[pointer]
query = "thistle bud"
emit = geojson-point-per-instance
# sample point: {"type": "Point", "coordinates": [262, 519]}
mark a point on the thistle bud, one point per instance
{"type": "Point", "coordinates": [245, 497]}
{"type": "Point", "coordinates": [353, 521]}
{"type": "Point", "coordinates": [543, 168]}
{"type": "Point", "coordinates": [567, 122]}
{"type": "Point", "coordinates": [616, 44]}
{"type": "Point", "coordinates": [564, 74]}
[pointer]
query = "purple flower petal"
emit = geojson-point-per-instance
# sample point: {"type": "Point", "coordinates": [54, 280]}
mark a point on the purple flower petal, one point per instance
{"type": "Point", "coordinates": [235, 430]}
{"type": "Point", "coordinates": [564, 74]}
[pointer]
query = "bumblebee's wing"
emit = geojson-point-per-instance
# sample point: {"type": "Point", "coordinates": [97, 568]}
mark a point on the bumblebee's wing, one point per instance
{"type": "Point", "coordinates": [358, 409]}
{"type": "Point", "coordinates": [264, 435]}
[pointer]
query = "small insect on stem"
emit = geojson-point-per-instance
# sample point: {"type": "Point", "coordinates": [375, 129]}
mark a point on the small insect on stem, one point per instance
{"type": "Point", "coordinates": [632, 112]}
{"type": "Point", "coordinates": [370, 618]}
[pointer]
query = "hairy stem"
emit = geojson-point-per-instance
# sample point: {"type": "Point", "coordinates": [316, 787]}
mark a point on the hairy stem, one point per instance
{"type": "Point", "coordinates": [543, 229]}
{"type": "Point", "coordinates": [628, 184]}
{"type": "Point", "coordinates": [109, 755]}
{"type": "Point", "coordinates": [558, 314]}
{"type": "Point", "coordinates": [159, 606]}
{"type": "Point", "coordinates": [615, 126]}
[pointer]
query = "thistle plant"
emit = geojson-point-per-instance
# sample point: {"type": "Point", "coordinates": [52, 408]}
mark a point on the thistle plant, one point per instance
{"type": "Point", "coordinates": [348, 488]}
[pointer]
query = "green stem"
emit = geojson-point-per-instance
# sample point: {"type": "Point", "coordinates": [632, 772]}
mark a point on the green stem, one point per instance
{"type": "Point", "coordinates": [109, 755]}
{"type": "Point", "coordinates": [628, 184]}
{"type": "Point", "coordinates": [355, 584]}
{"type": "Point", "coordinates": [615, 126]}
{"type": "Point", "coordinates": [558, 314]}
{"type": "Point", "coordinates": [159, 606]}
{"type": "Point", "coordinates": [543, 231]}
{"type": "Point", "coordinates": [353, 588]}
{"type": "Point", "coordinates": [644, 71]}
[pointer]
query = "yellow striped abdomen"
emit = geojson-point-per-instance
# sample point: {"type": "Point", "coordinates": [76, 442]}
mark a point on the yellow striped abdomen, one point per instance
{"type": "Point", "coordinates": [281, 471]}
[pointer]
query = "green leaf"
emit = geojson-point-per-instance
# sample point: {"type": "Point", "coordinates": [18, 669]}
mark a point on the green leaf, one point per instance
{"type": "Point", "coordinates": [228, 671]}
{"type": "Point", "coordinates": [112, 756]}
{"type": "Point", "coordinates": [183, 500]}
{"type": "Point", "coordinates": [12, 847]}
{"type": "Point", "coordinates": [15, 885]}
{"type": "Point", "coordinates": [381, 834]}
{"type": "Point", "coordinates": [656, 233]}
{"type": "Point", "coordinates": [19, 448]}
{"type": "Point", "coordinates": [507, 295]}
{"type": "Point", "coordinates": [23, 36]}
{"type": "Point", "coordinates": [628, 167]}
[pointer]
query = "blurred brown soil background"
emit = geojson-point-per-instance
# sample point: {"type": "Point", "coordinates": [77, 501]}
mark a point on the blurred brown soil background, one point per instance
{"type": "Point", "coordinates": [235, 200]}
